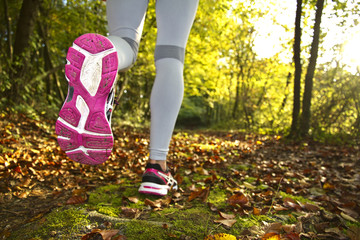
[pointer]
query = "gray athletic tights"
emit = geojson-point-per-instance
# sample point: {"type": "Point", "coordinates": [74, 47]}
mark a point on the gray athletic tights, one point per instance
{"type": "Point", "coordinates": [174, 20]}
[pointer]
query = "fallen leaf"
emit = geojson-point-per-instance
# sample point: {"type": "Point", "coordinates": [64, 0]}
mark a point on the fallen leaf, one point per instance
{"type": "Point", "coordinates": [75, 200]}
{"type": "Point", "coordinates": [111, 235]}
{"type": "Point", "coordinates": [271, 236]}
{"type": "Point", "coordinates": [328, 186]}
{"type": "Point", "coordinates": [133, 199]}
{"type": "Point", "coordinates": [166, 202]}
{"type": "Point", "coordinates": [293, 236]}
{"type": "Point", "coordinates": [226, 222]}
{"type": "Point", "coordinates": [238, 199]}
{"type": "Point", "coordinates": [256, 211]}
{"type": "Point", "coordinates": [201, 193]}
{"type": "Point", "coordinates": [289, 202]}
{"type": "Point", "coordinates": [24, 194]}
{"type": "Point", "coordinates": [97, 234]}
{"type": "Point", "coordinates": [249, 185]}
{"type": "Point", "coordinates": [288, 228]}
{"type": "Point", "coordinates": [226, 216]}
{"type": "Point", "coordinates": [130, 212]}
{"type": "Point", "coordinates": [220, 236]}
{"type": "Point", "coordinates": [152, 204]}
{"type": "Point", "coordinates": [278, 207]}
{"type": "Point", "coordinates": [92, 236]}
{"type": "Point", "coordinates": [347, 217]}
{"type": "Point", "coordinates": [310, 207]}
{"type": "Point", "coordinates": [274, 228]}
{"type": "Point", "coordinates": [349, 212]}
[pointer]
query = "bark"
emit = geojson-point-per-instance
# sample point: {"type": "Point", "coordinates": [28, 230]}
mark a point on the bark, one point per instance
{"type": "Point", "coordinates": [25, 26]}
{"type": "Point", "coordinates": [306, 112]}
{"type": "Point", "coordinates": [8, 29]}
{"type": "Point", "coordinates": [49, 65]}
{"type": "Point", "coordinates": [298, 69]}
{"type": "Point", "coordinates": [24, 29]}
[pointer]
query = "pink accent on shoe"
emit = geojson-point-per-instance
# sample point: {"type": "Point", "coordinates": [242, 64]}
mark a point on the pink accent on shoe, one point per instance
{"type": "Point", "coordinates": [151, 193]}
{"type": "Point", "coordinates": [93, 43]}
{"type": "Point", "coordinates": [154, 171]}
{"type": "Point", "coordinates": [96, 149]}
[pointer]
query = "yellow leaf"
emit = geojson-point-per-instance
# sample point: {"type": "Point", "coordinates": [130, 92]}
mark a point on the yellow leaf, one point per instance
{"type": "Point", "coordinates": [220, 236]}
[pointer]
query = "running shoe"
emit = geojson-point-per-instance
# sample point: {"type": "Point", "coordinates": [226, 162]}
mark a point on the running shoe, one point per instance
{"type": "Point", "coordinates": [84, 123]}
{"type": "Point", "coordinates": [157, 182]}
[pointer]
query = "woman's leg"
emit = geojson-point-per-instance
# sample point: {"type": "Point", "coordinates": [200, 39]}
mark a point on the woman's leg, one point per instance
{"type": "Point", "coordinates": [174, 22]}
{"type": "Point", "coordinates": [125, 23]}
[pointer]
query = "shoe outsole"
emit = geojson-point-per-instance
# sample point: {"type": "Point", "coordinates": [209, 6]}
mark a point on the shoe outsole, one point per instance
{"type": "Point", "coordinates": [153, 189]}
{"type": "Point", "coordinates": [83, 129]}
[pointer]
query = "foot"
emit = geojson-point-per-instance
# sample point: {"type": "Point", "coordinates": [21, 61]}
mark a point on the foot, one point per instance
{"type": "Point", "coordinates": [84, 123]}
{"type": "Point", "coordinates": [157, 182]}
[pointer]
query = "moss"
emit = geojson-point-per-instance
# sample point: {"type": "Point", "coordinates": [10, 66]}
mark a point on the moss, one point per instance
{"type": "Point", "coordinates": [242, 167]}
{"type": "Point", "coordinates": [218, 197]}
{"type": "Point", "coordinates": [137, 229]}
{"type": "Point", "coordinates": [61, 223]}
{"type": "Point", "coordinates": [250, 179]}
{"type": "Point", "coordinates": [195, 222]}
{"type": "Point", "coordinates": [108, 210]}
{"type": "Point", "coordinates": [109, 199]}
{"type": "Point", "coordinates": [110, 194]}
{"type": "Point", "coordinates": [296, 198]}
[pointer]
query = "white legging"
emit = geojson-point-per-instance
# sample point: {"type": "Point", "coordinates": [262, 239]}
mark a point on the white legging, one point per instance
{"type": "Point", "coordinates": [174, 20]}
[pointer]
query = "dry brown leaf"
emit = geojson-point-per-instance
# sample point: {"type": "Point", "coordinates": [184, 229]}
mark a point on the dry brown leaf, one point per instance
{"type": "Point", "coordinates": [274, 228]}
{"type": "Point", "coordinates": [292, 236]}
{"type": "Point", "coordinates": [238, 199]}
{"type": "Point", "coordinates": [310, 207]}
{"type": "Point", "coordinates": [201, 193]}
{"type": "Point", "coordinates": [226, 216]}
{"type": "Point", "coordinates": [166, 202]}
{"type": "Point", "coordinates": [75, 200]}
{"type": "Point", "coordinates": [110, 234]}
{"type": "Point", "coordinates": [278, 207]}
{"type": "Point", "coordinates": [97, 234]}
{"type": "Point", "coordinates": [226, 222]}
{"type": "Point", "coordinates": [328, 186]}
{"type": "Point", "coordinates": [290, 203]}
{"type": "Point", "coordinates": [133, 199]}
{"type": "Point", "coordinates": [256, 211]}
{"type": "Point", "coordinates": [130, 212]}
{"type": "Point", "coordinates": [24, 194]}
{"type": "Point", "coordinates": [152, 204]}
{"type": "Point", "coordinates": [289, 228]}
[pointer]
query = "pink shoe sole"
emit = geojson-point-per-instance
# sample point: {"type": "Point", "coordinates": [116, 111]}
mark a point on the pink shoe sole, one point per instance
{"type": "Point", "coordinates": [83, 129]}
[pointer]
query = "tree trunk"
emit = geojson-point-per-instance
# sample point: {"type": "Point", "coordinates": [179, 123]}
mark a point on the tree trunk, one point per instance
{"type": "Point", "coordinates": [298, 69]}
{"type": "Point", "coordinates": [8, 29]}
{"type": "Point", "coordinates": [306, 112]}
{"type": "Point", "coordinates": [237, 98]}
{"type": "Point", "coordinates": [25, 25]}
{"type": "Point", "coordinates": [24, 29]}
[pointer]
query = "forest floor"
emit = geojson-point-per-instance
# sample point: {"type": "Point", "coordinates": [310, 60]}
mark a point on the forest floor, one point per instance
{"type": "Point", "coordinates": [232, 186]}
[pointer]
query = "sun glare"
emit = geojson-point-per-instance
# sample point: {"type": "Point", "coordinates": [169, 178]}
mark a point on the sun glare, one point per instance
{"type": "Point", "coordinates": [351, 52]}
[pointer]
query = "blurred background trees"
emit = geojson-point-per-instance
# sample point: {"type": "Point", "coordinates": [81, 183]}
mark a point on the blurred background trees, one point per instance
{"type": "Point", "coordinates": [239, 68]}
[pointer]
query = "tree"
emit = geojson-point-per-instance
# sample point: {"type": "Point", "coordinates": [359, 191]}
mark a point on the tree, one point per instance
{"type": "Point", "coordinates": [306, 111]}
{"type": "Point", "coordinates": [298, 69]}
{"type": "Point", "coordinates": [25, 26]}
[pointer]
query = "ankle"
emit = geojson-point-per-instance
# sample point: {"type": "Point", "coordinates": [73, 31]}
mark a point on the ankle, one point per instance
{"type": "Point", "coordinates": [162, 163]}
